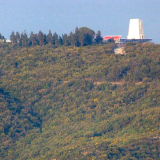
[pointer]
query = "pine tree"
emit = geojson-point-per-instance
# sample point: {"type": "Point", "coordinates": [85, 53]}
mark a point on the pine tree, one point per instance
{"type": "Point", "coordinates": [13, 38]}
{"type": "Point", "coordinates": [17, 38]}
{"type": "Point", "coordinates": [49, 38]}
{"type": "Point", "coordinates": [41, 38]}
{"type": "Point", "coordinates": [24, 39]}
{"type": "Point", "coordinates": [98, 38]}
{"type": "Point", "coordinates": [55, 39]}
{"type": "Point", "coordinates": [33, 39]}
{"type": "Point", "coordinates": [72, 39]}
{"type": "Point", "coordinates": [2, 38]}
{"type": "Point", "coordinates": [60, 40]}
{"type": "Point", "coordinates": [65, 39]}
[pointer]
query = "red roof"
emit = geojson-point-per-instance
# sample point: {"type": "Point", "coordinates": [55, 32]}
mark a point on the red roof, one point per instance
{"type": "Point", "coordinates": [114, 37]}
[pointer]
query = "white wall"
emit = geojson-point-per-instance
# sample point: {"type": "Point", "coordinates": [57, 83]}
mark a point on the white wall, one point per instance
{"type": "Point", "coordinates": [135, 30]}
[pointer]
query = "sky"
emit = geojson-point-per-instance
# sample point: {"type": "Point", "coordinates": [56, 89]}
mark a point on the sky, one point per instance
{"type": "Point", "coordinates": [111, 17]}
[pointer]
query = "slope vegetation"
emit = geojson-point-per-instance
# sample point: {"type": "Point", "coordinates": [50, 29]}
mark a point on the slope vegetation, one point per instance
{"type": "Point", "coordinates": [80, 103]}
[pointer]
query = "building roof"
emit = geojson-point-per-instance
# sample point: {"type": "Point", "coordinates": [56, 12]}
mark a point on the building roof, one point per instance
{"type": "Point", "coordinates": [8, 41]}
{"type": "Point", "coordinates": [114, 37]}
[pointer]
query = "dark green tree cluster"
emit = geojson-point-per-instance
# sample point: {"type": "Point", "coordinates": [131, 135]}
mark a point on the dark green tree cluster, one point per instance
{"type": "Point", "coordinates": [80, 37]}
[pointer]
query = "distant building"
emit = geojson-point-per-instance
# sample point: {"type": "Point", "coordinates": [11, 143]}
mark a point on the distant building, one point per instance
{"type": "Point", "coordinates": [8, 41]}
{"type": "Point", "coordinates": [3, 40]}
{"type": "Point", "coordinates": [135, 33]}
{"type": "Point", "coordinates": [115, 38]}
{"type": "Point", "coordinates": [135, 30]}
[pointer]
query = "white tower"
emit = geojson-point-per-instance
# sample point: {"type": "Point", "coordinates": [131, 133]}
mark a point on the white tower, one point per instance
{"type": "Point", "coordinates": [135, 30]}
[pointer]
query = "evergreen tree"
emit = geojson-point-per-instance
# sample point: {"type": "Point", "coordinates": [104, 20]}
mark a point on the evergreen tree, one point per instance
{"type": "Point", "coordinates": [65, 39]}
{"type": "Point", "coordinates": [33, 39]}
{"type": "Point", "coordinates": [2, 37]}
{"type": "Point", "coordinates": [13, 38]}
{"type": "Point", "coordinates": [41, 38]}
{"type": "Point", "coordinates": [98, 38]}
{"type": "Point", "coordinates": [2, 41]}
{"type": "Point", "coordinates": [49, 38]}
{"type": "Point", "coordinates": [111, 40]}
{"type": "Point", "coordinates": [72, 39]}
{"type": "Point", "coordinates": [55, 39]}
{"type": "Point", "coordinates": [24, 39]}
{"type": "Point", "coordinates": [17, 38]}
{"type": "Point", "coordinates": [60, 40]}
{"type": "Point", "coordinates": [76, 37]}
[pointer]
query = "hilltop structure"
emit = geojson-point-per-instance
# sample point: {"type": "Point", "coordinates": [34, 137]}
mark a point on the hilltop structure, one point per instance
{"type": "Point", "coordinates": [115, 38]}
{"type": "Point", "coordinates": [135, 33]}
{"type": "Point", "coordinates": [135, 30]}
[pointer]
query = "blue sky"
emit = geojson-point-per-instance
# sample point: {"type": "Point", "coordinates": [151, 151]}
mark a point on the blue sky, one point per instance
{"type": "Point", "coordinates": [111, 17]}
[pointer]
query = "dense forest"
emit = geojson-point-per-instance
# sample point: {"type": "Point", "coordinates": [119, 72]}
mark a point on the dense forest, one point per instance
{"type": "Point", "coordinates": [79, 101]}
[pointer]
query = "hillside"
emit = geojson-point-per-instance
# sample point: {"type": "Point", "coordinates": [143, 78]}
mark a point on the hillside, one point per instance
{"type": "Point", "coordinates": [80, 103]}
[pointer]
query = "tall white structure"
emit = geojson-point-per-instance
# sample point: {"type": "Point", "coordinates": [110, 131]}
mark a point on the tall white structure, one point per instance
{"type": "Point", "coordinates": [135, 30]}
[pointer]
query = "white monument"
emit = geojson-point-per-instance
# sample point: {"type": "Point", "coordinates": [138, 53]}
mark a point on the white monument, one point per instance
{"type": "Point", "coordinates": [135, 30]}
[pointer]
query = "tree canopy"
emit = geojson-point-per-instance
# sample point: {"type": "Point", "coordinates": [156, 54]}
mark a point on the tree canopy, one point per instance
{"type": "Point", "coordinates": [68, 102]}
{"type": "Point", "coordinates": [80, 37]}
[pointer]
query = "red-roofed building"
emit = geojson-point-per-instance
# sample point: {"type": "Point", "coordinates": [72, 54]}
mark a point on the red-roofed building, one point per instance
{"type": "Point", "coordinates": [116, 38]}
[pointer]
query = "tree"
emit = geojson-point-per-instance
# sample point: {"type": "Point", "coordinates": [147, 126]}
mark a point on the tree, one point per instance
{"type": "Point", "coordinates": [60, 40]}
{"type": "Point", "coordinates": [65, 39]}
{"type": "Point", "coordinates": [41, 38]}
{"type": "Point", "coordinates": [17, 38]}
{"type": "Point", "coordinates": [55, 39]}
{"type": "Point", "coordinates": [82, 37]}
{"type": "Point", "coordinates": [111, 40]}
{"type": "Point", "coordinates": [76, 37]}
{"type": "Point", "coordinates": [98, 38]}
{"type": "Point", "coordinates": [86, 36]}
{"type": "Point", "coordinates": [13, 38]}
{"type": "Point", "coordinates": [72, 39]}
{"type": "Point", "coordinates": [1, 37]}
{"type": "Point", "coordinates": [49, 37]}
{"type": "Point", "coordinates": [24, 39]}
{"type": "Point", "coordinates": [33, 39]}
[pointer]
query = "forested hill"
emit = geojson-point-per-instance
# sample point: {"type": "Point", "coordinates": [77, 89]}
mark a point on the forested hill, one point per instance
{"type": "Point", "coordinates": [64, 102]}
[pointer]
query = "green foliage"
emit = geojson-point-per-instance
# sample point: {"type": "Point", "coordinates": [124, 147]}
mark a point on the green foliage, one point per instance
{"type": "Point", "coordinates": [81, 37]}
{"type": "Point", "coordinates": [98, 38]}
{"type": "Point", "coordinates": [79, 103]}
